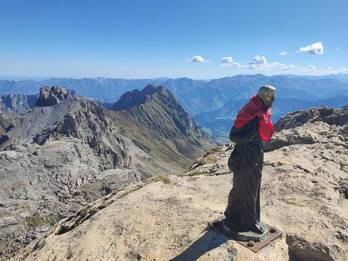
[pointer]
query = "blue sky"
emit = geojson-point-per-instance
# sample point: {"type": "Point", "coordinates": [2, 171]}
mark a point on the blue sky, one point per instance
{"type": "Point", "coordinates": [147, 38]}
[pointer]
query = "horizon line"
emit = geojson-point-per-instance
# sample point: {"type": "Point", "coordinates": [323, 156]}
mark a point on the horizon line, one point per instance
{"type": "Point", "coordinates": [43, 78]}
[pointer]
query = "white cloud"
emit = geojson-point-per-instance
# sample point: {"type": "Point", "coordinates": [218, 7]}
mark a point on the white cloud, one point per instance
{"type": "Point", "coordinates": [261, 64]}
{"type": "Point", "coordinates": [197, 59]}
{"type": "Point", "coordinates": [258, 61]}
{"type": "Point", "coordinates": [312, 68]}
{"type": "Point", "coordinates": [279, 66]}
{"type": "Point", "coordinates": [228, 61]}
{"type": "Point", "coordinates": [284, 53]}
{"type": "Point", "coordinates": [314, 48]}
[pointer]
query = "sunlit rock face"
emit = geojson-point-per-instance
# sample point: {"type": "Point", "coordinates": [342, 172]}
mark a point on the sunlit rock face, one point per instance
{"type": "Point", "coordinates": [303, 193]}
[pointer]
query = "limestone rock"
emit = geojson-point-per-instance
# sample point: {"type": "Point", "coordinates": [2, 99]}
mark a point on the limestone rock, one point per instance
{"type": "Point", "coordinates": [52, 95]}
{"type": "Point", "coordinates": [303, 193]}
{"type": "Point", "coordinates": [67, 151]}
{"type": "Point", "coordinates": [16, 103]}
{"type": "Point", "coordinates": [324, 114]}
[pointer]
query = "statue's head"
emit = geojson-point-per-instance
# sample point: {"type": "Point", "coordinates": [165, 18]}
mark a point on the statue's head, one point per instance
{"type": "Point", "coordinates": [266, 93]}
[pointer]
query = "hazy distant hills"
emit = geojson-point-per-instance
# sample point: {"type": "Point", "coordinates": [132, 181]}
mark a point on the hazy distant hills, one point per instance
{"type": "Point", "coordinates": [195, 95]}
{"type": "Point", "coordinates": [100, 88]}
{"type": "Point", "coordinates": [219, 122]}
{"type": "Point", "coordinates": [212, 102]}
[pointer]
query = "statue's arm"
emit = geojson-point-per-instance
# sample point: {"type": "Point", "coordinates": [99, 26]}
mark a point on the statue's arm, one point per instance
{"type": "Point", "coordinates": [245, 134]}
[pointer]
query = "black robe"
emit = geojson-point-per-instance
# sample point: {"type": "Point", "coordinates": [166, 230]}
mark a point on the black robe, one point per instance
{"type": "Point", "coordinates": [246, 162]}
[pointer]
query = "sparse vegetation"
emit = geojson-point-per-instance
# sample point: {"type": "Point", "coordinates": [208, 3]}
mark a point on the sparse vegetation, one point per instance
{"type": "Point", "coordinates": [207, 159]}
{"type": "Point", "coordinates": [37, 220]}
{"type": "Point", "coordinates": [217, 149]}
{"type": "Point", "coordinates": [194, 173]}
{"type": "Point", "coordinates": [163, 179]}
{"type": "Point", "coordinates": [122, 130]}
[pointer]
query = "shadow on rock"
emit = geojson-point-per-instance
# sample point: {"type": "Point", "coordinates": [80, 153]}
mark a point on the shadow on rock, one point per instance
{"type": "Point", "coordinates": [208, 241]}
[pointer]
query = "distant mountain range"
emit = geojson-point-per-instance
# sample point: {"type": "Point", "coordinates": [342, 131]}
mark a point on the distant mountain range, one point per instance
{"type": "Point", "coordinates": [195, 95]}
{"type": "Point", "coordinates": [212, 102]}
{"type": "Point", "coordinates": [219, 122]}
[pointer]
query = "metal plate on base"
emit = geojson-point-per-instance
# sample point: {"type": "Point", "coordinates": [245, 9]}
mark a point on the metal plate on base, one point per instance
{"type": "Point", "coordinates": [254, 246]}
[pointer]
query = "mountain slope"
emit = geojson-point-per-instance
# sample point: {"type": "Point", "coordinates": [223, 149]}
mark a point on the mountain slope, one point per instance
{"type": "Point", "coordinates": [304, 193]}
{"type": "Point", "coordinates": [47, 159]}
{"type": "Point", "coordinates": [68, 151]}
{"type": "Point", "coordinates": [19, 104]}
{"type": "Point", "coordinates": [8, 120]}
{"type": "Point", "coordinates": [157, 123]}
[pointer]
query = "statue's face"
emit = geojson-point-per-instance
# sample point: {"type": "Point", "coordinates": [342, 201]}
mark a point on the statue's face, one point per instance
{"type": "Point", "coordinates": [268, 101]}
{"type": "Point", "coordinates": [267, 94]}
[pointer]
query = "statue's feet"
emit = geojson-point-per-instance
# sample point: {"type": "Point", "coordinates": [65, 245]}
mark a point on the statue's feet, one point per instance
{"type": "Point", "coordinates": [258, 228]}
{"type": "Point", "coordinates": [256, 233]}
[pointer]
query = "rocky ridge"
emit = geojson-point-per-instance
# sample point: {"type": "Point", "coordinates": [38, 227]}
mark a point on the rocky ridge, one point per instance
{"type": "Point", "coordinates": [64, 153]}
{"type": "Point", "coordinates": [304, 193]}
{"type": "Point", "coordinates": [64, 143]}
{"type": "Point", "coordinates": [324, 114]}
{"type": "Point", "coordinates": [152, 115]}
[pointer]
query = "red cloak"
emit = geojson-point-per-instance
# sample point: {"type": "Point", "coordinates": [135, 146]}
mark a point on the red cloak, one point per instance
{"type": "Point", "coordinates": [254, 108]}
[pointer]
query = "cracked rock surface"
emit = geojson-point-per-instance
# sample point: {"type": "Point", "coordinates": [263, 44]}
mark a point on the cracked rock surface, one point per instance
{"type": "Point", "coordinates": [304, 194]}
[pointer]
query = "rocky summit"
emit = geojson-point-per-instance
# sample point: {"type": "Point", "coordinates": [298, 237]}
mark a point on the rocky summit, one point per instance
{"type": "Point", "coordinates": [67, 151]}
{"type": "Point", "coordinates": [304, 194]}
{"type": "Point", "coordinates": [54, 95]}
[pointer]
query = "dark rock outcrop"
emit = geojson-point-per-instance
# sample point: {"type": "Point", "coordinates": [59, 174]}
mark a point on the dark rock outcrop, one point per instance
{"type": "Point", "coordinates": [53, 95]}
{"type": "Point", "coordinates": [135, 97]}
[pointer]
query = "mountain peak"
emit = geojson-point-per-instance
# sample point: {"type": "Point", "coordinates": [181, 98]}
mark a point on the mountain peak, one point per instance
{"type": "Point", "coordinates": [137, 97]}
{"type": "Point", "coordinates": [53, 95]}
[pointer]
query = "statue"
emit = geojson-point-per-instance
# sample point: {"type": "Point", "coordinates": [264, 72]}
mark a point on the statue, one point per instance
{"type": "Point", "coordinates": [252, 127]}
